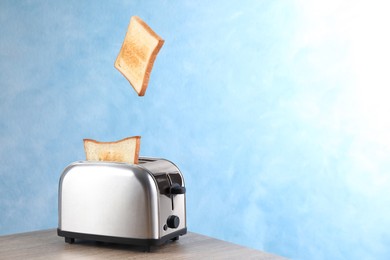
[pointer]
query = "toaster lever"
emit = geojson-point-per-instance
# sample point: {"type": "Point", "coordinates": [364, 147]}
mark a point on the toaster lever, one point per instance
{"type": "Point", "coordinates": [177, 189]}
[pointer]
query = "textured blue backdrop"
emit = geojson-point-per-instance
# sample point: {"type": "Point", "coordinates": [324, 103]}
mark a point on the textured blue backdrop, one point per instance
{"type": "Point", "coordinates": [275, 111]}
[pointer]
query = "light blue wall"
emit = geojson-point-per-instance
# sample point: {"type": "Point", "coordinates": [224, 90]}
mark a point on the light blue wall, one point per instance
{"type": "Point", "coordinates": [277, 112]}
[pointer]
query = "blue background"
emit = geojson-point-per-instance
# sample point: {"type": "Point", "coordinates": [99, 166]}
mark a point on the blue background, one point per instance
{"type": "Point", "coordinates": [277, 113]}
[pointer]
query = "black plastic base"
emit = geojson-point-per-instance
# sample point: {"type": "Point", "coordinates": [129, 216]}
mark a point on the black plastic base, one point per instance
{"type": "Point", "coordinates": [71, 236]}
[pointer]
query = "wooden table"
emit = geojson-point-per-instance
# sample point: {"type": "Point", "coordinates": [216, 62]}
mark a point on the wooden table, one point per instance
{"type": "Point", "coordinates": [46, 244]}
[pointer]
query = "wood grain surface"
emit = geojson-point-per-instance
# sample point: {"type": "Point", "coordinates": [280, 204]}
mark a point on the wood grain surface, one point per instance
{"type": "Point", "coordinates": [46, 244]}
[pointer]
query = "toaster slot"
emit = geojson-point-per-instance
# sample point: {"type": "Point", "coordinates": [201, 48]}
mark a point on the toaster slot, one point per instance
{"type": "Point", "coordinates": [171, 188]}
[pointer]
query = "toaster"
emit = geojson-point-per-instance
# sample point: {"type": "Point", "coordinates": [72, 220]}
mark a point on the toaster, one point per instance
{"type": "Point", "coordinates": [140, 204]}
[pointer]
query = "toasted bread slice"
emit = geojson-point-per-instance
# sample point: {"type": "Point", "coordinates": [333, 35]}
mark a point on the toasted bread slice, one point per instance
{"type": "Point", "coordinates": [138, 53]}
{"type": "Point", "coordinates": [125, 150]}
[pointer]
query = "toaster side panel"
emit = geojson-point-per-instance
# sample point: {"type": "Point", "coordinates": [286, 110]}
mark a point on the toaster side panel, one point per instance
{"type": "Point", "coordinates": [108, 199]}
{"type": "Point", "coordinates": [170, 205]}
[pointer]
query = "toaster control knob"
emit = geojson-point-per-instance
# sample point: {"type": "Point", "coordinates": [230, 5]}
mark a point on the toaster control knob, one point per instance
{"type": "Point", "coordinates": [173, 221]}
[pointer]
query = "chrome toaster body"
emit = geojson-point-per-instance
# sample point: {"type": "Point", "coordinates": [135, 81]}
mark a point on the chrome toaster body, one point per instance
{"type": "Point", "coordinates": [142, 204]}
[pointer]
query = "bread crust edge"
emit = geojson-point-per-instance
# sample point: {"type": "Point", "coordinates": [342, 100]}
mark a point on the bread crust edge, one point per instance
{"type": "Point", "coordinates": [137, 144]}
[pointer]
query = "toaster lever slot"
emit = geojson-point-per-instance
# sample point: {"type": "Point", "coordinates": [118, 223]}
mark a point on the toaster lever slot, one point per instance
{"type": "Point", "coordinates": [174, 189]}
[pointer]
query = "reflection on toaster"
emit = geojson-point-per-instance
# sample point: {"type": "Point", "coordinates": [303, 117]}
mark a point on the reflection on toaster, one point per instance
{"type": "Point", "coordinates": [138, 204]}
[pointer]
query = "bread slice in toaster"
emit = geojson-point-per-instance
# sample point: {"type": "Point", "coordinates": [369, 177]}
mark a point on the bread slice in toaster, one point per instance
{"type": "Point", "coordinates": [138, 53]}
{"type": "Point", "coordinates": [125, 150]}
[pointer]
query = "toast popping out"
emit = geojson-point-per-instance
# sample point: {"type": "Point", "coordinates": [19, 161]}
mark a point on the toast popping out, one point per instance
{"type": "Point", "coordinates": [138, 53]}
{"type": "Point", "coordinates": [125, 150]}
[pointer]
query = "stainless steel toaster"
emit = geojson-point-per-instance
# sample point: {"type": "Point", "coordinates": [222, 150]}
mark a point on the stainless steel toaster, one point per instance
{"type": "Point", "coordinates": [139, 204]}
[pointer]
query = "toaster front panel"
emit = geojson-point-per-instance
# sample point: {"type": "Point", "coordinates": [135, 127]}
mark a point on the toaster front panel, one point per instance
{"type": "Point", "coordinates": [109, 199]}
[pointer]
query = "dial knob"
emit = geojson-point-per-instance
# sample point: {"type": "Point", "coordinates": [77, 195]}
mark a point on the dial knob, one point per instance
{"type": "Point", "coordinates": [173, 221]}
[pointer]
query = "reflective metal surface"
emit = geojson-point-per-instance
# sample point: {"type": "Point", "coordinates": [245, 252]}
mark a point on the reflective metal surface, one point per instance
{"type": "Point", "coordinates": [118, 199]}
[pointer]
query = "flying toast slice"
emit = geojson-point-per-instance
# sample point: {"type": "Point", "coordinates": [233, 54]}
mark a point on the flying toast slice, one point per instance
{"type": "Point", "coordinates": [125, 150]}
{"type": "Point", "coordinates": [138, 53]}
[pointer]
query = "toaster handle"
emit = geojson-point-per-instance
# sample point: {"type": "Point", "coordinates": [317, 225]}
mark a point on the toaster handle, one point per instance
{"type": "Point", "coordinates": [177, 189]}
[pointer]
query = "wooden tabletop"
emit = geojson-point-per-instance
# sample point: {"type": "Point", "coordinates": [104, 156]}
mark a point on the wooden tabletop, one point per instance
{"type": "Point", "coordinates": [46, 244]}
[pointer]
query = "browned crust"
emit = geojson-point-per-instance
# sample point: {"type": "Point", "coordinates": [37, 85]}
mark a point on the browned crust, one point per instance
{"type": "Point", "coordinates": [149, 67]}
{"type": "Point", "coordinates": [152, 57]}
{"type": "Point", "coordinates": [137, 147]}
{"type": "Point", "coordinates": [149, 61]}
{"type": "Point", "coordinates": [147, 28]}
